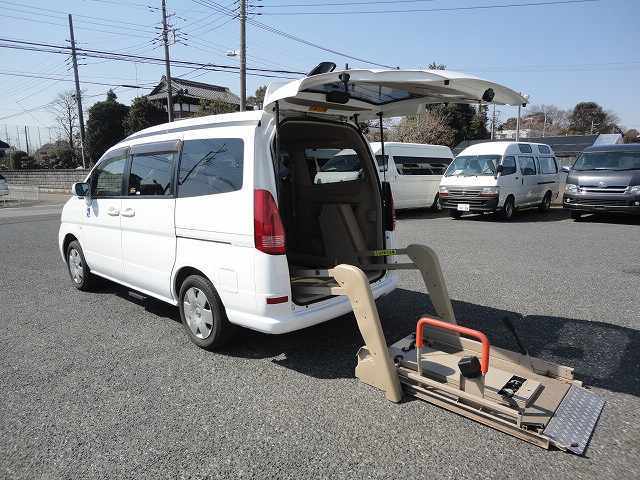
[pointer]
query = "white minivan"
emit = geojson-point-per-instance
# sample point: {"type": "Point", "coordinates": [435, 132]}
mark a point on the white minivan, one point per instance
{"type": "Point", "coordinates": [219, 214]}
{"type": "Point", "coordinates": [413, 170]}
{"type": "Point", "coordinates": [500, 177]}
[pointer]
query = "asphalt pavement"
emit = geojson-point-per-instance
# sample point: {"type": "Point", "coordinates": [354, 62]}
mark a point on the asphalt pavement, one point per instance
{"type": "Point", "coordinates": [102, 385]}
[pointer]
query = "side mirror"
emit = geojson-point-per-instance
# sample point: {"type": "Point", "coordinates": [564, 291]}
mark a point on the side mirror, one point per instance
{"type": "Point", "coordinates": [80, 189]}
{"type": "Point", "coordinates": [566, 168]}
{"type": "Point", "coordinates": [500, 168]}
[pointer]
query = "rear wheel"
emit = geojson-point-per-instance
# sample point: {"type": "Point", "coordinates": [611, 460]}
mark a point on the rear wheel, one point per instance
{"type": "Point", "coordinates": [455, 214]}
{"type": "Point", "coordinates": [545, 205]}
{"type": "Point", "coordinates": [437, 206]}
{"type": "Point", "coordinates": [202, 313]}
{"type": "Point", "coordinates": [507, 210]}
{"type": "Point", "coordinates": [77, 266]}
{"type": "Point", "coordinates": [576, 216]}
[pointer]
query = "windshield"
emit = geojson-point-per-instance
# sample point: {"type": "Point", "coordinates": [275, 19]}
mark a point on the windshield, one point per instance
{"type": "Point", "coordinates": [473, 165]}
{"type": "Point", "coordinates": [612, 160]}
{"type": "Point", "coordinates": [344, 162]}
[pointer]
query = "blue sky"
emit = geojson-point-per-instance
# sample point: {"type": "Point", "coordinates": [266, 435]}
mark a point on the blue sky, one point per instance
{"type": "Point", "coordinates": [558, 54]}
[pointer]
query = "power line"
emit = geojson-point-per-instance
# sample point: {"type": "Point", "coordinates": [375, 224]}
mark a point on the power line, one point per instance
{"type": "Point", "coordinates": [435, 10]}
{"type": "Point", "coordinates": [220, 8]}
{"type": "Point", "coordinates": [340, 4]}
{"type": "Point", "coordinates": [24, 75]}
{"type": "Point", "coordinates": [63, 49]}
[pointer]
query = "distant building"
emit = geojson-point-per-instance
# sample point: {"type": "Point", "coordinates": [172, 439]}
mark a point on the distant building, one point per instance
{"type": "Point", "coordinates": [187, 95]}
{"type": "Point", "coordinates": [511, 134]}
{"type": "Point", "coordinates": [567, 148]}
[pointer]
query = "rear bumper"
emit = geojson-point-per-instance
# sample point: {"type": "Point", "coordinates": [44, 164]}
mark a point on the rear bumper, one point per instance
{"type": "Point", "coordinates": [299, 317]}
{"type": "Point", "coordinates": [602, 203]}
{"type": "Point", "coordinates": [476, 203]}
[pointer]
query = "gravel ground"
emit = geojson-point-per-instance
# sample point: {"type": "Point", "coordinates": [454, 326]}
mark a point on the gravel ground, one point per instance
{"type": "Point", "coordinates": [100, 385]}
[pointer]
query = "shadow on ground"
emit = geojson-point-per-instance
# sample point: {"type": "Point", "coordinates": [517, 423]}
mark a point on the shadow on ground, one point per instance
{"type": "Point", "coordinates": [603, 355]}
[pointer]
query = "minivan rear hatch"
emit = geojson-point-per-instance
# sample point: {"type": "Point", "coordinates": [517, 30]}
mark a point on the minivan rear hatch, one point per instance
{"type": "Point", "coordinates": [366, 93]}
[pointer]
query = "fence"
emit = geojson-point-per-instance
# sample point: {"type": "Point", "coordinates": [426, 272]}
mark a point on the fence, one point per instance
{"type": "Point", "coordinates": [54, 181]}
{"type": "Point", "coordinates": [21, 193]}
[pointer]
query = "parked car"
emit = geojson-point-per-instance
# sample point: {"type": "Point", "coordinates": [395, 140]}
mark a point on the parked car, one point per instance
{"type": "Point", "coordinates": [414, 171]}
{"type": "Point", "coordinates": [604, 179]}
{"type": "Point", "coordinates": [4, 186]}
{"type": "Point", "coordinates": [196, 212]}
{"type": "Point", "coordinates": [500, 177]}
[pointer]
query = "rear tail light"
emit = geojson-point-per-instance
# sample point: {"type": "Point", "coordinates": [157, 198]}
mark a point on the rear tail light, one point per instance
{"type": "Point", "coordinates": [268, 231]}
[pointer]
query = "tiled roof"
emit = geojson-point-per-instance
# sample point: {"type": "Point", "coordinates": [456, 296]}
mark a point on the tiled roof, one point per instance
{"type": "Point", "coordinates": [193, 89]}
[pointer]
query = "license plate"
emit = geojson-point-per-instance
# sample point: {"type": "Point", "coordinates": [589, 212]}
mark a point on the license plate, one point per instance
{"type": "Point", "coordinates": [463, 207]}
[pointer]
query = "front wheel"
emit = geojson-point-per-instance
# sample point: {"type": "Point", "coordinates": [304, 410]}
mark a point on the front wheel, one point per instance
{"type": "Point", "coordinates": [203, 314]}
{"type": "Point", "coordinates": [77, 266]}
{"type": "Point", "coordinates": [507, 210]}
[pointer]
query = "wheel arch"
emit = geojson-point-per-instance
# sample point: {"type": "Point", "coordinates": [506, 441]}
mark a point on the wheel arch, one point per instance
{"type": "Point", "coordinates": [181, 274]}
{"type": "Point", "coordinates": [68, 238]}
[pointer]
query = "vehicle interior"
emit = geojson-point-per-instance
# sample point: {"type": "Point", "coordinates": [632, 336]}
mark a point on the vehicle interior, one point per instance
{"type": "Point", "coordinates": [330, 215]}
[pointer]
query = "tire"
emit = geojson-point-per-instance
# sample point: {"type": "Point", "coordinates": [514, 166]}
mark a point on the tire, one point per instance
{"type": "Point", "coordinates": [79, 272]}
{"type": "Point", "coordinates": [506, 213]}
{"type": "Point", "coordinates": [436, 206]}
{"type": "Point", "coordinates": [545, 205]}
{"type": "Point", "coordinates": [202, 313]}
{"type": "Point", "coordinates": [455, 214]}
{"type": "Point", "coordinates": [576, 216]}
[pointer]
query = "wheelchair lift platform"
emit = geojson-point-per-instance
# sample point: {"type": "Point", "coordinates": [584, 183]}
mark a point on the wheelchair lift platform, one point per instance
{"type": "Point", "coordinates": [455, 367]}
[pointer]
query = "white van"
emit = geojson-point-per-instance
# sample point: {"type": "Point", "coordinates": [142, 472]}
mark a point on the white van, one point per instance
{"type": "Point", "coordinates": [500, 177]}
{"type": "Point", "coordinates": [218, 214]}
{"type": "Point", "coordinates": [413, 170]}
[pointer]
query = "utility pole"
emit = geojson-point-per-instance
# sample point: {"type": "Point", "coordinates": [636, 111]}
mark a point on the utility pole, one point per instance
{"type": "Point", "coordinates": [493, 122]}
{"type": "Point", "coordinates": [26, 138]}
{"type": "Point", "coordinates": [18, 138]}
{"type": "Point", "coordinates": [78, 95]}
{"type": "Point", "coordinates": [518, 124]}
{"type": "Point", "coordinates": [243, 55]}
{"type": "Point", "coordinates": [165, 40]}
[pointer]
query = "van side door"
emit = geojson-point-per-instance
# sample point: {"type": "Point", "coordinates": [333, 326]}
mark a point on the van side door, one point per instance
{"type": "Point", "coordinates": [548, 175]}
{"type": "Point", "coordinates": [529, 179]}
{"type": "Point", "coordinates": [509, 179]}
{"type": "Point", "coordinates": [101, 236]}
{"type": "Point", "coordinates": [148, 224]}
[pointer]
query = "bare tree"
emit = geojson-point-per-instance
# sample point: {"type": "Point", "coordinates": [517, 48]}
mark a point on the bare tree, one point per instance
{"type": "Point", "coordinates": [66, 113]}
{"type": "Point", "coordinates": [430, 127]}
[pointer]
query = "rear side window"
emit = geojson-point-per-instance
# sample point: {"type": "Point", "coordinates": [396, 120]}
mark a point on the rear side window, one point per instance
{"type": "Point", "coordinates": [151, 174]}
{"type": "Point", "coordinates": [421, 165]}
{"type": "Point", "coordinates": [210, 166]}
{"type": "Point", "coordinates": [527, 165]}
{"type": "Point", "coordinates": [107, 177]}
{"type": "Point", "coordinates": [548, 165]}
{"type": "Point", "coordinates": [544, 149]}
{"type": "Point", "coordinates": [508, 165]}
{"type": "Point", "coordinates": [525, 148]}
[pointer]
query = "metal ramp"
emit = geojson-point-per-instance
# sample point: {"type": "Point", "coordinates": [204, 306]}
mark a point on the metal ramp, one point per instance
{"type": "Point", "coordinates": [532, 399]}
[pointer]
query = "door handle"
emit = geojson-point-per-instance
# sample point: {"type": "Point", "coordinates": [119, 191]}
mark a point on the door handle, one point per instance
{"type": "Point", "coordinates": [113, 211]}
{"type": "Point", "coordinates": [128, 212]}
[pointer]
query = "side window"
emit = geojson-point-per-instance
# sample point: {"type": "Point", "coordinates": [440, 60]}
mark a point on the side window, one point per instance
{"type": "Point", "coordinates": [527, 165]}
{"type": "Point", "coordinates": [106, 180]}
{"type": "Point", "coordinates": [544, 149]}
{"type": "Point", "coordinates": [421, 165]}
{"type": "Point", "coordinates": [548, 165]}
{"type": "Point", "coordinates": [383, 162]}
{"type": "Point", "coordinates": [508, 165]}
{"type": "Point", "coordinates": [525, 148]}
{"type": "Point", "coordinates": [151, 174]}
{"type": "Point", "coordinates": [210, 166]}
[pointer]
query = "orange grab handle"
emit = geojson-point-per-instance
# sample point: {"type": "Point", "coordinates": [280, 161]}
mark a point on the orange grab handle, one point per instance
{"type": "Point", "coordinates": [484, 361]}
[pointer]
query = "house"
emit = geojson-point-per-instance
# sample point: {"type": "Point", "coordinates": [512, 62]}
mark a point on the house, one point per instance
{"type": "Point", "coordinates": [511, 134]}
{"type": "Point", "coordinates": [567, 148]}
{"type": "Point", "coordinates": [187, 95]}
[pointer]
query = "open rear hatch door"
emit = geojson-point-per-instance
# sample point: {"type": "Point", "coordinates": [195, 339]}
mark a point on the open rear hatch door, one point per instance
{"type": "Point", "coordinates": [366, 93]}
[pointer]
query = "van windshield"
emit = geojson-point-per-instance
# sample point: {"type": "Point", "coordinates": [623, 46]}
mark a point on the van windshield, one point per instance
{"type": "Point", "coordinates": [612, 160]}
{"type": "Point", "coordinates": [473, 165]}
